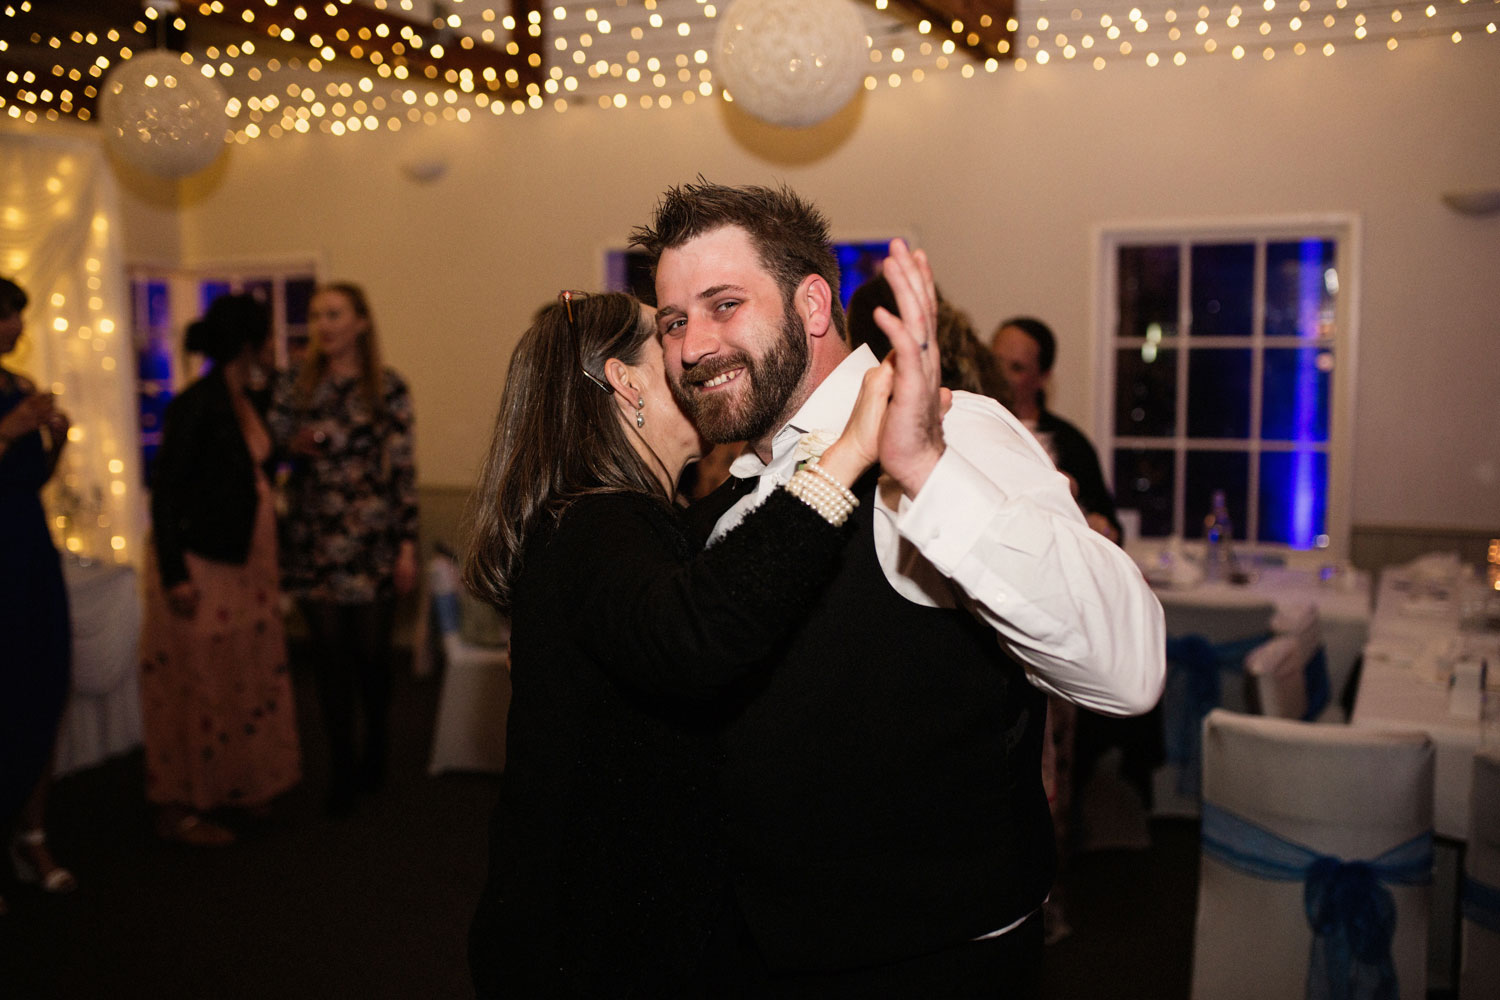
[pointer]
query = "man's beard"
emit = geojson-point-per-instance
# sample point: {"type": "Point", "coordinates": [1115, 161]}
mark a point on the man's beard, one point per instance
{"type": "Point", "coordinates": [750, 414]}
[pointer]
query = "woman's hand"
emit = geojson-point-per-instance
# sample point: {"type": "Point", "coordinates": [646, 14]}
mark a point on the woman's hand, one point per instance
{"type": "Point", "coordinates": [858, 447]}
{"type": "Point", "coordinates": [405, 574]}
{"type": "Point", "coordinates": [308, 442]}
{"type": "Point", "coordinates": [57, 424]}
{"type": "Point", "coordinates": [28, 415]}
{"type": "Point", "coordinates": [182, 599]}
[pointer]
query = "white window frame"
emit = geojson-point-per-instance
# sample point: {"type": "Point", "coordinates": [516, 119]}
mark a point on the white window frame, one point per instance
{"type": "Point", "coordinates": [1344, 230]}
{"type": "Point", "coordinates": [183, 283]}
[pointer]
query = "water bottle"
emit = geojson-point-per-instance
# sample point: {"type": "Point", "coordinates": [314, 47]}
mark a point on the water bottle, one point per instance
{"type": "Point", "coordinates": [1218, 554]}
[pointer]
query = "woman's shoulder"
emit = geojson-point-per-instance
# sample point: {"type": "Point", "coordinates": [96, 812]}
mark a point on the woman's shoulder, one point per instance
{"type": "Point", "coordinates": [600, 529]}
{"type": "Point", "coordinates": [15, 384]}
{"type": "Point", "coordinates": [391, 380]}
{"type": "Point", "coordinates": [615, 519]}
{"type": "Point", "coordinates": [611, 506]}
{"type": "Point", "coordinates": [201, 392]}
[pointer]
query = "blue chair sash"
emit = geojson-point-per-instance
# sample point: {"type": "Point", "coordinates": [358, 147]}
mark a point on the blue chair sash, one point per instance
{"type": "Point", "coordinates": [1192, 691]}
{"type": "Point", "coordinates": [1481, 903]}
{"type": "Point", "coordinates": [445, 612]}
{"type": "Point", "coordinates": [1351, 912]}
{"type": "Point", "coordinates": [1316, 676]}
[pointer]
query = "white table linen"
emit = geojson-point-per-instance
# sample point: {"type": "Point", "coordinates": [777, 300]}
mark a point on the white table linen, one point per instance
{"type": "Point", "coordinates": [1415, 638]}
{"type": "Point", "coordinates": [103, 717]}
{"type": "Point", "coordinates": [1343, 605]}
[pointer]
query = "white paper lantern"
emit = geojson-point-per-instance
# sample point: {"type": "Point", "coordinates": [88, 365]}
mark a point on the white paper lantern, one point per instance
{"type": "Point", "coordinates": [791, 62]}
{"type": "Point", "coordinates": [162, 115]}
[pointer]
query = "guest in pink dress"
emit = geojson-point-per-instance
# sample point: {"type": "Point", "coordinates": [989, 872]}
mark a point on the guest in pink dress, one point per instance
{"type": "Point", "coordinates": [216, 693]}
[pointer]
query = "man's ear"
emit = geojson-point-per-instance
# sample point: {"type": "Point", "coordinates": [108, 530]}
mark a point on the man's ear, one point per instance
{"type": "Point", "coordinates": [814, 305]}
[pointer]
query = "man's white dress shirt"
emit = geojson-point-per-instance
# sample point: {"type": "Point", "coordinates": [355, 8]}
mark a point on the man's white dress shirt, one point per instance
{"type": "Point", "coordinates": [995, 529]}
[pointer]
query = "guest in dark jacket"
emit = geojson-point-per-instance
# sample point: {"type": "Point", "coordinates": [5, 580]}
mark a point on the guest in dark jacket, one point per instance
{"type": "Point", "coordinates": [606, 873]}
{"type": "Point", "coordinates": [216, 696]}
{"type": "Point", "coordinates": [1026, 348]}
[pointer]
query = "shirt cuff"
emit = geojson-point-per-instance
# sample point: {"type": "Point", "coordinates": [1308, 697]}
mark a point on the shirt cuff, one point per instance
{"type": "Point", "coordinates": [946, 520]}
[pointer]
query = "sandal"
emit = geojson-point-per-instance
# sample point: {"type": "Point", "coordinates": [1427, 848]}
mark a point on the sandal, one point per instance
{"type": "Point", "coordinates": [194, 831]}
{"type": "Point", "coordinates": [33, 863]}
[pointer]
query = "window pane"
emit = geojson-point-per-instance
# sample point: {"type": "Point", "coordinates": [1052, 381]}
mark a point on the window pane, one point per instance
{"type": "Point", "coordinates": [1293, 497]}
{"type": "Point", "coordinates": [1145, 392]}
{"type": "Point", "coordinates": [1295, 394]}
{"type": "Point", "coordinates": [1219, 393]}
{"type": "Point", "coordinates": [858, 263]}
{"type": "Point", "coordinates": [260, 288]}
{"type": "Point", "coordinates": [1215, 470]}
{"type": "Point", "coordinates": [1301, 284]}
{"type": "Point", "coordinates": [1148, 283]}
{"type": "Point", "coordinates": [299, 293]}
{"type": "Point", "coordinates": [1223, 290]}
{"type": "Point", "coordinates": [153, 366]}
{"type": "Point", "coordinates": [1145, 480]}
{"type": "Point", "coordinates": [208, 291]}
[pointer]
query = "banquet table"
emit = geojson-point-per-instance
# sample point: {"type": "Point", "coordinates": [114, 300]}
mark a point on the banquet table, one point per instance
{"type": "Point", "coordinates": [1420, 630]}
{"type": "Point", "coordinates": [103, 717]}
{"type": "Point", "coordinates": [1343, 604]}
{"type": "Point", "coordinates": [1417, 635]}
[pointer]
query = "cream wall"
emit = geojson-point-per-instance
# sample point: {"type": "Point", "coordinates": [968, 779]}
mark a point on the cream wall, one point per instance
{"type": "Point", "coordinates": [1004, 179]}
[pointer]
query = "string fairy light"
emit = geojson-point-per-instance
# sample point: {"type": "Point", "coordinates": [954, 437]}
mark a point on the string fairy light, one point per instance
{"type": "Point", "coordinates": [477, 57]}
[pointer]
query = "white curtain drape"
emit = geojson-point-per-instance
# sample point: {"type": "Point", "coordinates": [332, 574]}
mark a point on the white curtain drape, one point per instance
{"type": "Point", "coordinates": [60, 240]}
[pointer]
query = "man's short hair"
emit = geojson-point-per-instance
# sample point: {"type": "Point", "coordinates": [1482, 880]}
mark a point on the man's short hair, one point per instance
{"type": "Point", "coordinates": [1046, 343]}
{"type": "Point", "coordinates": [789, 234]}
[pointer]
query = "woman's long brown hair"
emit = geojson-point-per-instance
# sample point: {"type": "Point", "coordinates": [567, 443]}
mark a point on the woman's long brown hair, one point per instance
{"type": "Point", "coordinates": [372, 372]}
{"type": "Point", "coordinates": [558, 437]}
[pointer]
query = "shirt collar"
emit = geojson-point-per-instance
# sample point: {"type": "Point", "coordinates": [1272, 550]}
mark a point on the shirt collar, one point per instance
{"type": "Point", "coordinates": [826, 410]}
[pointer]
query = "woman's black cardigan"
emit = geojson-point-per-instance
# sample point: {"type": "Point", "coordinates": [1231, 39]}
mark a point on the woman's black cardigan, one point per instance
{"type": "Point", "coordinates": [203, 494]}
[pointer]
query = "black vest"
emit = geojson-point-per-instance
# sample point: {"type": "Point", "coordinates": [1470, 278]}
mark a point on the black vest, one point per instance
{"type": "Point", "coordinates": [883, 783]}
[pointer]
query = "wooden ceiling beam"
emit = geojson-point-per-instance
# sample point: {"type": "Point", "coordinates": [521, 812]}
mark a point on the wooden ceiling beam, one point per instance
{"type": "Point", "coordinates": [54, 49]}
{"type": "Point", "coordinates": [982, 27]}
{"type": "Point", "coordinates": [377, 37]}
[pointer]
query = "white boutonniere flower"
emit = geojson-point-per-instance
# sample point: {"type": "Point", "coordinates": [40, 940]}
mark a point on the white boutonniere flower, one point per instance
{"type": "Point", "coordinates": [812, 445]}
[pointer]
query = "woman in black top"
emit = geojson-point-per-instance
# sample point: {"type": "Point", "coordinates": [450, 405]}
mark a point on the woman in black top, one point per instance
{"type": "Point", "coordinates": [605, 869]}
{"type": "Point", "coordinates": [216, 696]}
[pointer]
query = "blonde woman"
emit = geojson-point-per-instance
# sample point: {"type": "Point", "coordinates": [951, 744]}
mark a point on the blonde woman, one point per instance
{"type": "Point", "coordinates": [350, 532]}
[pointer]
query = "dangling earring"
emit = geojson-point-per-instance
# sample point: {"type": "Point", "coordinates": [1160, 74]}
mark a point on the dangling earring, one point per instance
{"type": "Point", "coordinates": [640, 411]}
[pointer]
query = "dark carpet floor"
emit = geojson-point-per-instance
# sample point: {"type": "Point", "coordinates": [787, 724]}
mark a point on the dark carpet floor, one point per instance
{"type": "Point", "coordinates": [376, 905]}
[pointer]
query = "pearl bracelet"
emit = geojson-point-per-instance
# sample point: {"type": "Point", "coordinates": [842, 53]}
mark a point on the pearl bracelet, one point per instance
{"type": "Point", "coordinates": [824, 494]}
{"type": "Point", "coordinates": [813, 466]}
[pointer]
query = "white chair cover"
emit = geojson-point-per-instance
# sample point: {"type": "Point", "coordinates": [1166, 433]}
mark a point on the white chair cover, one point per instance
{"type": "Point", "coordinates": [1480, 975]}
{"type": "Point", "coordinates": [104, 711]}
{"type": "Point", "coordinates": [1175, 782]}
{"type": "Point", "coordinates": [1217, 623]}
{"type": "Point", "coordinates": [1278, 667]}
{"type": "Point", "coordinates": [469, 733]}
{"type": "Point", "coordinates": [1351, 794]}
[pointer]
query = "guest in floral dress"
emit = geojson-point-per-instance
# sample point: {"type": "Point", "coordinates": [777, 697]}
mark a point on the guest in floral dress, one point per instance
{"type": "Point", "coordinates": [216, 695]}
{"type": "Point", "coordinates": [350, 532]}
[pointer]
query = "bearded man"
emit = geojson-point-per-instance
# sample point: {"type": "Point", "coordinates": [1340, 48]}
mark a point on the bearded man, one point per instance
{"type": "Point", "coordinates": [887, 823]}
